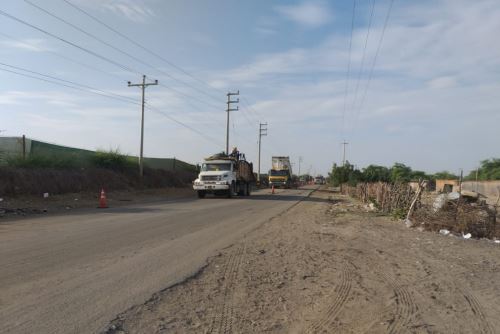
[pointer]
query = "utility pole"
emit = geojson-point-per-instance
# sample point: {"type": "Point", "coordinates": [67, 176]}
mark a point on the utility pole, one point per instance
{"type": "Point", "coordinates": [300, 160]}
{"type": "Point", "coordinates": [229, 102]}
{"type": "Point", "coordinates": [262, 132]}
{"type": "Point", "coordinates": [343, 157]}
{"type": "Point", "coordinates": [143, 86]}
{"type": "Point", "coordinates": [460, 182]}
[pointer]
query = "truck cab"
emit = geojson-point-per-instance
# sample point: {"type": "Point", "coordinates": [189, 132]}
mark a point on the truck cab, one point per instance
{"type": "Point", "coordinates": [279, 178]}
{"type": "Point", "coordinates": [224, 175]}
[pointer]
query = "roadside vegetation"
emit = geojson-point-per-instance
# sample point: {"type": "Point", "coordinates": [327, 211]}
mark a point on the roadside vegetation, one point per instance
{"type": "Point", "coordinates": [348, 174]}
{"type": "Point", "coordinates": [111, 170]}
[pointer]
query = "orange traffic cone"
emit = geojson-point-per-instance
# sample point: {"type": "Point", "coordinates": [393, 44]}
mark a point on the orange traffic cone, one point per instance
{"type": "Point", "coordinates": [102, 200]}
{"type": "Point", "coordinates": [272, 189]}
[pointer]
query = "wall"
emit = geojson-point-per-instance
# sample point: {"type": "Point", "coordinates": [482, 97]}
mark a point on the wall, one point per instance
{"type": "Point", "coordinates": [441, 183]}
{"type": "Point", "coordinates": [491, 189]}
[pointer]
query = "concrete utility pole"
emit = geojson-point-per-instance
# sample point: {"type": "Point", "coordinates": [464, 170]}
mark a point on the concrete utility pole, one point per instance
{"type": "Point", "coordinates": [262, 132]}
{"type": "Point", "coordinates": [229, 102]}
{"type": "Point", "coordinates": [343, 157]}
{"type": "Point", "coordinates": [300, 161]}
{"type": "Point", "coordinates": [143, 86]}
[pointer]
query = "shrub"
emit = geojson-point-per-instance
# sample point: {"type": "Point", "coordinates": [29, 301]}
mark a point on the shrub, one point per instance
{"type": "Point", "coordinates": [39, 161]}
{"type": "Point", "coordinates": [113, 160]}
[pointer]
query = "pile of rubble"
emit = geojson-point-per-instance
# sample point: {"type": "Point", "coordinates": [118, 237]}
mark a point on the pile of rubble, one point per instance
{"type": "Point", "coordinates": [464, 213]}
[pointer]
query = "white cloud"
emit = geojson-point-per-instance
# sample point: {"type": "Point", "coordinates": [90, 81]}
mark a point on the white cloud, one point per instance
{"type": "Point", "coordinates": [308, 14]}
{"type": "Point", "coordinates": [28, 44]}
{"type": "Point", "coordinates": [442, 82]}
{"type": "Point", "coordinates": [133, 10]}
{"type": "Point", "coordinates": [436, 72]}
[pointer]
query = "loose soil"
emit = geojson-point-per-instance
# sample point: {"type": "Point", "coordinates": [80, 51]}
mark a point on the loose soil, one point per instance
{"type": "Point", "coordinates": [328, 266]}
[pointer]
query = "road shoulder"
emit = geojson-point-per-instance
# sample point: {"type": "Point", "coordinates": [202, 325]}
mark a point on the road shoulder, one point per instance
{"type": "Point", "coordinates": [328, 265]}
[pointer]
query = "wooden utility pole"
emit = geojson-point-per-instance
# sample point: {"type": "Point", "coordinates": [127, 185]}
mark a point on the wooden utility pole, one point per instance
{"type": "Point", "coordinates": [343, 156]}
{"type": "Point", "coordinates": [262, 132]}
{"type": "Point", "coordinates": [143, 86]}
{"type": "Point", "coordinates": [24, 147]}
{"type": "Point", "coordinates": [229, 102]}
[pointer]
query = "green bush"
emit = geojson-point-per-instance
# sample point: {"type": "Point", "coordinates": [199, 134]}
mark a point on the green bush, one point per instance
{"type": "Point", "coordinates": [38, 161]}
{"type": "Point", "coordinates": [113, 160]}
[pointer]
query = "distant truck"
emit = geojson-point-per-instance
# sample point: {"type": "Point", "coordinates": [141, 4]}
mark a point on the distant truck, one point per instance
{"type": "Point", "coordinates": [280, 174]}
{"type": "Point", "coordinates": [225, 175]}
{"type": "Point", "coordinates": [319, 180]}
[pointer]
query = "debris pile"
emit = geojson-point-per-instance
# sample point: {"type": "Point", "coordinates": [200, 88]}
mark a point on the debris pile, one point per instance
{"type": "Point", "coordinates": [459, 213]}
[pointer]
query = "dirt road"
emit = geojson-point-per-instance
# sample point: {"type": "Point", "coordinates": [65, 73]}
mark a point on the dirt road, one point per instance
{"type": "Point", "coordinates": [329, 266]}
{"type": "Point", "coordinates": [73, 273]}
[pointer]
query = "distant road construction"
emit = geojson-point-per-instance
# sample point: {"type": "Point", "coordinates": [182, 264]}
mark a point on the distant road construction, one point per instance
{"type": "Point", "coordinates": [74, 273]}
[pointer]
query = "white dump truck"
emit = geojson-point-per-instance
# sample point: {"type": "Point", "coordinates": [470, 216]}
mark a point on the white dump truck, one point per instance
{"type": "Point", "coordinates": [225, 175]}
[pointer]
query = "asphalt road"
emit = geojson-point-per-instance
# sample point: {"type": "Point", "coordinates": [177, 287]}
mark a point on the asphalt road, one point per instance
{"type": "Point", "coordinates": [74, 273]}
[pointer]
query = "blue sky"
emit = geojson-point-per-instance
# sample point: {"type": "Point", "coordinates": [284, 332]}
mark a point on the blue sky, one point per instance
{"type": "Point", "coordinates": [432, 103]}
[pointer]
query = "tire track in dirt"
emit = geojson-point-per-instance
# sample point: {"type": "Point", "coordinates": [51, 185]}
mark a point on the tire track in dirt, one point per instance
{"type": "Point", "coordinates": [222, 321]}
{"type": "Point", "coordinates": [406, 308]}
{"type": "Point", "coordinates": [343, 290]}
{"type": "Point", "coordinates": [477, 309]}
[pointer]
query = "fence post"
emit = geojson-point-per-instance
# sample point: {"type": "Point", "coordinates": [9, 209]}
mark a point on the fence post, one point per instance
{"type": "Point", "coordinates": [24, 147]}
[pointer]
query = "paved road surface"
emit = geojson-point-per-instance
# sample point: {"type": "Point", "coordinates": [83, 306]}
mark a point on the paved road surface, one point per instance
{"type": "Point", "coordinates": [75, 273]}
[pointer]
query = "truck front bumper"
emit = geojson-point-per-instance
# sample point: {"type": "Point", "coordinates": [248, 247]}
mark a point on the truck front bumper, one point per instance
{"type": "Point", "coordinates": [210, 187]}
{"type": "Point", "coordinates": [277, 183]}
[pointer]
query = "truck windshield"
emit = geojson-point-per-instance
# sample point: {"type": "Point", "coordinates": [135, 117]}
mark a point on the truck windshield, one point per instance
{"type": "Point", "coordinates": [279, 172]}
{"type": "Point", "coordinates": [216, 167]}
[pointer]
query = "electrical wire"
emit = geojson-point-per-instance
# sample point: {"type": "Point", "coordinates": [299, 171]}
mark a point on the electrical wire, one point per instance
{"type": "Point", "coordinates": [128, 69]}
{"type": "Point", "coordinates": [361, 68]}
{"type": "Point", "coordinates": [95, 91]}
{"type": "Point", "coordinates": [25, 43]}
{"type": "Point", "coordinates": [117, 49]}
{"type": "Point", "coordinates": [123, 67]}
{"type": "Point", "coordinates": [374, 60]}
{"type": "Point", "coordinates": [170, 63]}
{"type": "Point", "coordinates": [348, 74]}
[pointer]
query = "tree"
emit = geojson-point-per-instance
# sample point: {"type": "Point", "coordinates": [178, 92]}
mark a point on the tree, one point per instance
{"type": "Point", "coordinates": [489, 170]}
{"type": "Point", "coordinates": [444, 175]}
{"type": "Point", "coordinates": [400, 173]}
{"type": "Point", "coordinates": [374, 173]}
{"type": "Point", "coordinates": [344, 174]}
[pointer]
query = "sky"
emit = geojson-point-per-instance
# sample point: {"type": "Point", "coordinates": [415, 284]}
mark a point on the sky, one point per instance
{"type": "Point", "coordinates": [405, 81]}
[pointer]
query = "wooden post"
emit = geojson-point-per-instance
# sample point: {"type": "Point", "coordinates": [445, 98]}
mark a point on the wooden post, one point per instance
{"type": "Point", "coordinates": [24, 147]}
{"type": "Point", "coordinates": [415, 199]}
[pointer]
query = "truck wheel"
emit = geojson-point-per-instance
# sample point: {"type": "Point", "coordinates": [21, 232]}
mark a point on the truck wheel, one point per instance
{"type": "Point", "coordinates": [241, 190]}
{"type": "Point", "coordinates": [230, 191]}
{"type": "Point", "coordinates": [201, 194]}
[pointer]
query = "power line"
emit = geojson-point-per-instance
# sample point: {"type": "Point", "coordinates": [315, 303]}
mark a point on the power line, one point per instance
{"type": "Point", "coordinates": [68, 81]}
{"type": "Point", "coordinates": [183, 124]}
{"type": "Point", "coordinates": [361, 68]}
{"type": "Point", "coordinates": [117, 49]}
{"type": "Point", "coordinates": [348, 74]}
{"type": "Point", "coordinates": [68, 42]}
{"type": "Point", "coordinates": [140, 45]}
{"type": "Point", "coordinates": [375, 59]}
{"type": "Point", "coordinates": [86, 50]}
{"type": "Point", "coordinates": [95, 91]}
{"type": "Point", "coordinates": [21, 42]}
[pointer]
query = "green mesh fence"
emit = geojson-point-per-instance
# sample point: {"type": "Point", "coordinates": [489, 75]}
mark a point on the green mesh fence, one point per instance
{"type": "Point", "coordinates": [81, 157]}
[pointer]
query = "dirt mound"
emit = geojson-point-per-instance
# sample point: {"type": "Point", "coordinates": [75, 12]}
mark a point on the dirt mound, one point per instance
{"type": "Point", "coordinates": [36, 181]}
